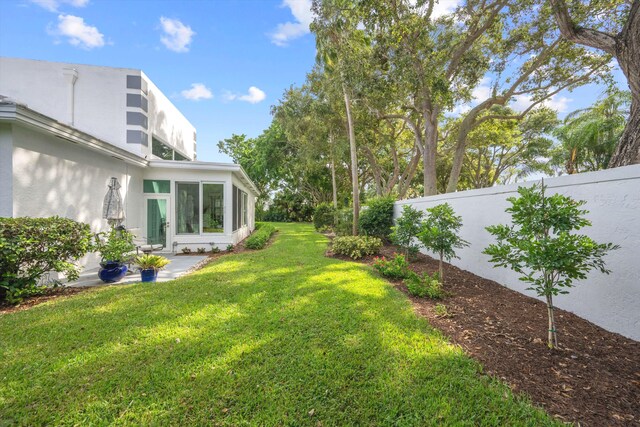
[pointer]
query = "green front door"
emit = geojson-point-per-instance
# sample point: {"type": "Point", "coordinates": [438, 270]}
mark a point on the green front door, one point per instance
{"type": "Point", "coordinates": [157, 221]}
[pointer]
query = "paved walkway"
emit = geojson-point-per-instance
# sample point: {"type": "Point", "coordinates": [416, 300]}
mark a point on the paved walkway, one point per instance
{"type": "Point", "coordinates": [178, 266]}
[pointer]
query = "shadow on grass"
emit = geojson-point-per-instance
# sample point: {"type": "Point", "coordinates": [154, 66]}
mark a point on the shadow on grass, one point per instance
{"type": "Point", "coordinates": [282, 336]}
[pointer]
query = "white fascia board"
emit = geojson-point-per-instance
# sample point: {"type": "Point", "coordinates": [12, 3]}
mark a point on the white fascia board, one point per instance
{"type": "Point", "coordinates": [206, 166]}
{"type": "Point", "coordinates": [10, 112]}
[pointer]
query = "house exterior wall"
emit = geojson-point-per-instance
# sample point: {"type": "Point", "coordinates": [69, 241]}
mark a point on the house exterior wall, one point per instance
{"type": "Point", "coordinates": [195, 241]}
{"type": "Point", "coordinates": [168, 124]}
{"type": "Point", "coordinates": [6, 170]}
{"type": "Point", "coordinates": [94, 99]}
{"type": "Point", "coordinates": [613, 201]}
{"type": "Point", "coordinates": [54, 177]}
{"type": "Point", "coordinates": [243, 232]}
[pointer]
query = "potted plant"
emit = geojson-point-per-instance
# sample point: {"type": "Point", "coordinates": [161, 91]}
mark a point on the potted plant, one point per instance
{"type": "Point", "coordinates": [115, 248]}
{"type": "Point", "coordinates": [149, 265]}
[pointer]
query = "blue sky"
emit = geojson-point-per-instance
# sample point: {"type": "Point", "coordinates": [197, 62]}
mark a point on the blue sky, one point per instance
{"type": "Point", "coordinates": [223, 63]}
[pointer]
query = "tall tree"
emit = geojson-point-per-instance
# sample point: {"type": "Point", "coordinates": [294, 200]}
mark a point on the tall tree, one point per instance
{"type": "Point", "coordinates": [613, 27]}
{"type": "Point", "coordinates": [433, 61]}
{"type": "Point", "coordinates": [338, 38]}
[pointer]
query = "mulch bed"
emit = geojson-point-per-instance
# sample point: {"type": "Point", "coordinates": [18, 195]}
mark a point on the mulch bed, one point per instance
{"type": "Point", "coordinates": [593, 379]}
{"type": "Point", "coordinates": [50, 294]}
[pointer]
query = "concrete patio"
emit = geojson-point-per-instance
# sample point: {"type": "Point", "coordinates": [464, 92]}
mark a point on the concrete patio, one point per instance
{"type": "Point", "coordinates": [180, 265]}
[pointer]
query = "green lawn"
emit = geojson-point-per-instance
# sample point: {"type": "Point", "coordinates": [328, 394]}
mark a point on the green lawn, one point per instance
{"type": "Point", "coordinates": [282, 336]}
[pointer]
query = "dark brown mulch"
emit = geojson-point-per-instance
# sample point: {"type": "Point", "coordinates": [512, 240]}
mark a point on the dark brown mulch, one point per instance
{"type": "Point", "coordinates": [593, 379]}
{"type": "Point", "coordinates": [50, 294]}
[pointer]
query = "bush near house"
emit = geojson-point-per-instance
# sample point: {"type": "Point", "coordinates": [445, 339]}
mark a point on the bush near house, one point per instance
{"type": "Point", "coordinates": [260, 237]}
{"type": "Point", "coordinates": [324, 216]}
{"type": "Point", "coordinates": [32, 247]}
{"type": "Point", "coordinates": [377, 219]}
{"type": "Point", "coordinates": [396, 268]}
{"type": "Point", "coordinates": [424, 286]}
{"type": "Point", "coordinates": [356, 247]}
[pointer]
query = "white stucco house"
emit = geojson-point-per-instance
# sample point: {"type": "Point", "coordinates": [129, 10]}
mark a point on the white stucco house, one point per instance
{"type": "Point", "coordinates": [66, 129]}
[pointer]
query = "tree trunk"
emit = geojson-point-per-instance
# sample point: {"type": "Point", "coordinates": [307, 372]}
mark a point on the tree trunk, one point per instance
{"type": "Point", "coordinates": [628, 148]}
{"type": "Point", "coordinates": [552, 336]}
{"type": "Point", "coordinates": [333, 173]}
{"type": "Point", "coordinates": [625, 46]}
{"type": "Point", "coordinates": [354, 162]}
{"type": "Point", "coordinates": [430, 152]}
{"type": "Point", "coordinates": [441, 269]}
{"type": "Point", "coordinates": [628, 55]}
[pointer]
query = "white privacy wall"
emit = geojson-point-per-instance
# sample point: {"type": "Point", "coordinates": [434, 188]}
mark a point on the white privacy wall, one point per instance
{"type": "Point", "coordinates": [613, 199]}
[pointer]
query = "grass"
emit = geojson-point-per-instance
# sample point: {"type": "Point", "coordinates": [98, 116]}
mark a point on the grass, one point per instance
{"type": "Point", "coordinates": [282, 336]}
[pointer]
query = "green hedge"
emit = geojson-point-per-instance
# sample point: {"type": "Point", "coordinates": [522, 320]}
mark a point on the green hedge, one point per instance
{"type": "Point", "coordinates": [32, 247]}
{"type": "Point", "coordinates": [324, 216]}
{"type": "Point", "coordinates": [377, 218]}
{"type": "Point", "coordinates": [356, 247]}
{"type": "Point", "coordinates": [260, 237]}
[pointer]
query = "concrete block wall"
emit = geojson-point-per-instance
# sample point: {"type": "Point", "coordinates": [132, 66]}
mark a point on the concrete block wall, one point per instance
{"type": "Point", "coordinates": [613, 201]}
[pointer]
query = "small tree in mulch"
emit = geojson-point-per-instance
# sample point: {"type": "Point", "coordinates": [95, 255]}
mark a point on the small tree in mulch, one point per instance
{"type": "Point", "coordinates": [539, 245]}
{"type": "Point", "coordinates": [439, 233]}
{"type": "Point", "coordinates": [406, 230]}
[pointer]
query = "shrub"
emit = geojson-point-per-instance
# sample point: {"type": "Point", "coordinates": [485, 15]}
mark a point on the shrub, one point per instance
{"type": "Point", "coordinates": [201, 250]}
{"type": "Point", "coordinates": [116, 245]}
{"type": "Point", "coordinates": [541, 247]}
{"type": "Point", "coordinates": [344, 222]}
{"type": "Point", "coordinates": [230, 247]}
{"type": "Point", "coordinates": [424, 286]}
{"type": "Point", "coordinates": [439, 233]}
{"type": "Point", "coordinates": [324, 216]}
{"type": "Point", "coordinates": [32, 247]}
{"type": "Point", "coordinates": [396, 268]}
{"type": "Point", "coordinates": [259, 238]}
{"type": "Point", "coordinates": [151, 262]}
{"type": "Point", "coordinates": [406, 230]}
{"type": "Point", "coordinates": [377, 219]}
{"type": "Point", "coordinates": [186, 250]}
{"type": "Point", "coordinates": [356, 247]}
{"type": "Point", "coordinates": [215, 250]}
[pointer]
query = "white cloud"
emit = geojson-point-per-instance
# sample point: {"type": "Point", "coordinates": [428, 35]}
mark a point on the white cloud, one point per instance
{"type": "Point", "coordinates": [444, 7]}
{"type": "Point", "coordinates": [177, 35]}
{"type": "Point", "coordinates": [558, 103]}
{"type": "Point", "coordinates": [53, 5]}
{"type": "Point", "coordinates": [197, 92]}
{"type": "Point", "coordinates": [482, 91]}
{"type": "Point", "coordinates": [253, 96]}
{"type": "Point", "coordinates": [78, 32]}
{"type": "Point", "coordinates": [301, 11]}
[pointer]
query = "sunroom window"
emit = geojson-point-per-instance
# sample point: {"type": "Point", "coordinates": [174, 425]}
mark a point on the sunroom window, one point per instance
{"type": "Point", "coordinates": [212, 208]}
{"type": "Point", "coordinates": [188, 208]}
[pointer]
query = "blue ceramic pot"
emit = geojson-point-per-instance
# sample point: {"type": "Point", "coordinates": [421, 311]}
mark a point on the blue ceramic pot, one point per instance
{"type": "Point", "coordinates": [111, 272]}
{"type": "Point", "coordinates": [149, 275]}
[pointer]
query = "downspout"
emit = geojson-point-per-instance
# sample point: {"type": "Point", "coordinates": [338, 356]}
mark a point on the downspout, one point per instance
{"type": "Point", "coordinates": [70, 75]}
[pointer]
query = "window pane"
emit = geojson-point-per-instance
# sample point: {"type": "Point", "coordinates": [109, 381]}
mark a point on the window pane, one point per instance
{"type": "Point", "coordinates": [179, 156]}
{"type": "Point", "coordinates": [245, 207]}
{"type": "Point", "coordinates": [136, 119]}
{"type": "Point", "coordinates": [134, 82]}
{"type": "Point", "coordinates": [188, 207]}
{"type": "Point", "coordinates": [235, 207]}
{"type": "Point", "coordinates": [158, 149]}
{"type": "Point", "coordinates": [156, 186]}
{"type": "Point", "coordinates": [213, 208]}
